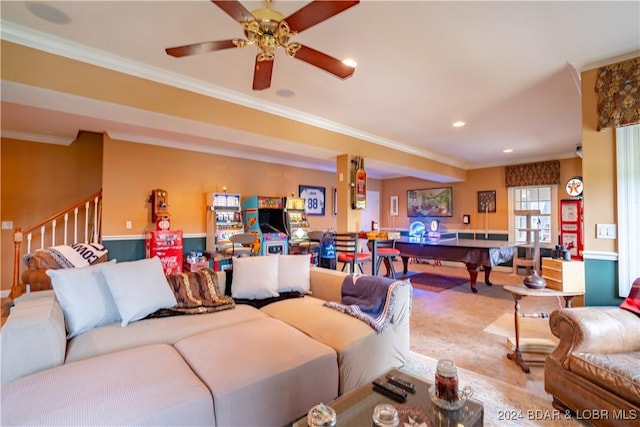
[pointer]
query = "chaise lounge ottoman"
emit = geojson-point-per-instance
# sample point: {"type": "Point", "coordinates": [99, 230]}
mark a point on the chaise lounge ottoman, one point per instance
{"type": "Point", "coordinates": [242, 374]}
{"type": "Point", "coordinates": [150, 385]}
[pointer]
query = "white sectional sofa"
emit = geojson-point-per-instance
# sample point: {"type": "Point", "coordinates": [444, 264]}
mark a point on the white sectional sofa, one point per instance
{"type": "Point", "coordinates": [237, 367]}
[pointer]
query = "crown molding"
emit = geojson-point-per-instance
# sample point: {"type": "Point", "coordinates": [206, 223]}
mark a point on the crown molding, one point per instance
{"type": "Point", "coordinates": [41, 41]}
{"type": "Point", "coordinates": [37, 137]}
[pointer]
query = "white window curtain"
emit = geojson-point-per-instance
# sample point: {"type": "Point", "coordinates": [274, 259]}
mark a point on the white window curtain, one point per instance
{"type": "Point", "coordinates": [628, 165]}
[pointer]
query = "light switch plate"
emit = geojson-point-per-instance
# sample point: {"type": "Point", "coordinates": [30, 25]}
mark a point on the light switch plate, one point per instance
{"type": "Point", "coordinates": [7, 225]}
{"type": "Point", "coordinates": [605, 231]}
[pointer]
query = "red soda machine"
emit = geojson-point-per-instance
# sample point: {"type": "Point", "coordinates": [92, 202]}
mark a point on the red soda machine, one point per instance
{"type": "Point", "coordinates": [295, 219]}
{"type": "Point", "coordinates": [264, 216]}
{"type": "Point", "coordinates": [571, 227]}
{"type": "Point", "coordinates": [224, 219]}
{"type": "Point", "coordinates": [164, 243]}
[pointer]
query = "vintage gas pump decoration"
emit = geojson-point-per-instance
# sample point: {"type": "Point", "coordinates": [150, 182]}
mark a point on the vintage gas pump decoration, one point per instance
{"type": "Point", "coordinates": [358, 184]}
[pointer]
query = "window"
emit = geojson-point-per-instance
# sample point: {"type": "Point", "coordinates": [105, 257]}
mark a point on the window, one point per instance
{"type": "Point", "coordinates": [541, 198]}
{"type": "Point", "coordinates": [628, 167]}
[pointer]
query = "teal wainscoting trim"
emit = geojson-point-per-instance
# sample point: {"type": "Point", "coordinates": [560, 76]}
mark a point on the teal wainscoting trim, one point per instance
{"type": "Point", "coordinates": [601, 282]}
{"type": "Point", "coordinates": [492, 236]}
{"type": "Point", "coordinates": [131, 249]}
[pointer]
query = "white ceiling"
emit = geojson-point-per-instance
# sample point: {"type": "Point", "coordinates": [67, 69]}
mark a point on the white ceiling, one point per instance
{"type": "Point", "coordinates": [509, 69]}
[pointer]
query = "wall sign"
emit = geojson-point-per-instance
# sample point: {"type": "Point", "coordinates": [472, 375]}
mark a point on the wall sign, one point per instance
{"type": "Point", "coordinates": [487, 201]}
{"type": "Point", "coordinates": [315, 199]}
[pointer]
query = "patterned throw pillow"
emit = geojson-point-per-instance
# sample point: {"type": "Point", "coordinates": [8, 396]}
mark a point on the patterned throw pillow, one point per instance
{"type": "Point", "coordinates": [198, 292]}
{"type": "Point", "coordinates": [632, 302]}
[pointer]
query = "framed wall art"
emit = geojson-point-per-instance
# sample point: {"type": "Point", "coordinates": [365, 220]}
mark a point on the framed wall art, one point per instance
{"type": "Point", "coordinates": [393, 206]}
{"type": "Point", "coordinates": [487, 201]}
{"type": "Point", "coordinates": [430, 202]}
{"type": "Point", "coordinates": [315, 199]}
{"type": "Point", "coordinates": [335, 201]}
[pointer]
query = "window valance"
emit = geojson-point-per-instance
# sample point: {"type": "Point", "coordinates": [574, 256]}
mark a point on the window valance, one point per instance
{"type": "Point", "coordinates": [618, 87]}
{"type": "Point", "coordinates": [528, 174]}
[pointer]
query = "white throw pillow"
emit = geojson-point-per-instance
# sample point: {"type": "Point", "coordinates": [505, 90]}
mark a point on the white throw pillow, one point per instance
{"type": "Point", "coordinates": [255, 277]}
{"type": "Point", "coordinates": [84, 297]}
{"type": "Point", "coordinates": [139, 288]}
{"type": "Point", "coordinates": [294, 273]}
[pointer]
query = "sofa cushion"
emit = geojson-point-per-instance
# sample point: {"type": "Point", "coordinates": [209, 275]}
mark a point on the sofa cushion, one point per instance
{"type": "Point", "coordinates": [84, 297]}
{"type": "Point", "coordinates": [139, 288]}
{"type": "Point", "coordinates": [33, 337]}
{"type": "Point", "coordinates": [616, 372]}
{"type": "Point", "coordinates": [149, 385]}
{"type": "Point", "coordinates": [362, 353]}
{"type": "Point", "coordinates": [632, 302]}
{"type": "Point", "coordinates": [294, 273]}
{"type": "Point", "coordinates": [255, 277]}
{"type": "Point", "coordinates": [168, 330]}
{"type": "Point", "coordinates": [270, 376]}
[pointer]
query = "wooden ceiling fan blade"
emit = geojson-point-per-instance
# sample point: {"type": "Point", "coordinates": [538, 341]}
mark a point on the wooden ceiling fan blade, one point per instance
{"type": "Point", "coordinates": [262, 74]}
{"type": "Point", "coordinates": [324, 61]}
{"type": "Point", "coordinates": [198, 48]}
{"type": "Point", "coordinates": [316, 12]}
{"type": "Point", "coordinates": [234, 9]}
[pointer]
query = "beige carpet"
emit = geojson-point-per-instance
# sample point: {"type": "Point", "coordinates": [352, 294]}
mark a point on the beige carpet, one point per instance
{"type": "Point", "coordinates": [504, 404]}
{"type": "Point", "coordinates": [535, 336]}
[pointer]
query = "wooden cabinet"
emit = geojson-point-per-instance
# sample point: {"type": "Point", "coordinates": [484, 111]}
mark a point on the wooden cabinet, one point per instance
{"type": "Point", "coordinates": [566, 276]}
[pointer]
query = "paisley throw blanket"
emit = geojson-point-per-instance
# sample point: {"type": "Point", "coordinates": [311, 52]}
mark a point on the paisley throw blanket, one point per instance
{"type": "Point", "coordinates": [196, 292]}
{"type": "Point", "coordinates": [369, 298]}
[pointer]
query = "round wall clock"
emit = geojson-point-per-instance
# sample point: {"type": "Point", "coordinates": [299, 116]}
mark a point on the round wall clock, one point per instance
{"type": "Point", "coordinates": [574, 186]}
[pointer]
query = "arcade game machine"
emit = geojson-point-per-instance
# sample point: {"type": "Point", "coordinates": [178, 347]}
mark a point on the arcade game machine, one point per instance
{"type": "Point", "coordinates": [295, 220]}
{"type": "Point", "coordinates": [224, 219]}
{"type": "Point", "coordinates": [264, 216]}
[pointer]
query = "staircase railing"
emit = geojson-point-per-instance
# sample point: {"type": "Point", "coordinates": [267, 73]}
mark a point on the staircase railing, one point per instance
{"type": "Point", "coordinates": [85, 214]}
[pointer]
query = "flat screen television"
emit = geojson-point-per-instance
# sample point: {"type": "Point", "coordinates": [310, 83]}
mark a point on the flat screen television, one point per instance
{"type": "Point", "coordinates": [429, 202]}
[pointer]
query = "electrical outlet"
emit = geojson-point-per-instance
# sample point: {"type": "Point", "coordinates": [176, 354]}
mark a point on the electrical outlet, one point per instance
{"type": "Point", "coordinates": [128, 225]}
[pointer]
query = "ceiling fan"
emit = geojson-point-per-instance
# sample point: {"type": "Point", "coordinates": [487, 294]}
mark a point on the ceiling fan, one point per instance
{"type": "Point", "coordinates": [269, 29]}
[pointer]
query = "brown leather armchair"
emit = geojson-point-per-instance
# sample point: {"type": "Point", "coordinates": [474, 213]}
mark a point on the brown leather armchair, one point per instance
{"type": "Point", "coordinates": [595, 370]}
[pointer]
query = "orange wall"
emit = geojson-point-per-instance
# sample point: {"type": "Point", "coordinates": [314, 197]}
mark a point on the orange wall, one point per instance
{"type": "Point", "coordinates": [132, 170]}
{"type": "Point", "coordinates": [599, 166]}
{"type": "Point", "coordinates": [39, 180]}
{"type": "Point", "coordinates": [129, 171]}
{"type": "Point", "coordinates": [465, 198]}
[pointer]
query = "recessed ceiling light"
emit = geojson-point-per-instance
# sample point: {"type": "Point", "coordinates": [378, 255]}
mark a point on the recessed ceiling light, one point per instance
{"type": "Point", "coordinates": [508, 150]}
{"type": "Point", "coordinates": [48, 13]}
{"type": "Point", "coordinates": [285, 93]}
{"type": "Point", "coordinates": [458, 124]}
{"type": "Point", "coordinates": [350, 62]}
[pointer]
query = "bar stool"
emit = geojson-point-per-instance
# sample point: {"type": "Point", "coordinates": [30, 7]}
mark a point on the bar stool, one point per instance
{"type": "Point", "coordinates": [348, 252]}
{"type": "Point", "coordinates": [386, 251]}
{"type": "Point", "coordinates": [313, 242]}
{"type": "Point", "coordinates": [241, 245]}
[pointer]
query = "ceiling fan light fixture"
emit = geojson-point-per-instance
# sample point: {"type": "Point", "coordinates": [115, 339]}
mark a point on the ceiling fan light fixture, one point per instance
{"type": "Point", "coordinates": [350, 63]}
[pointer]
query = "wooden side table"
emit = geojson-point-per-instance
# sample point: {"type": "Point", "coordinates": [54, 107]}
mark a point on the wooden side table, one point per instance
{"type": "Point", "coordinates": [520, 292]}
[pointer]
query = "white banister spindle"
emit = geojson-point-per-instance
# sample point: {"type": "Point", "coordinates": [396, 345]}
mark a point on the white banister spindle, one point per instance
{"type": "Point", "coordinates": [75, 225]}
{"type": "Point", "coordinates": [53, 232]}
{"type": "Point", "coordinates": [29, 236]}
{"type": "Point", "coordinates": [86, 222]}
{"type": "Point", "coordinates": [66, 227]}
{"type": "Point", "coordinates": [42, 230]}
{"type": "Point", "coordinates": [95, 220]}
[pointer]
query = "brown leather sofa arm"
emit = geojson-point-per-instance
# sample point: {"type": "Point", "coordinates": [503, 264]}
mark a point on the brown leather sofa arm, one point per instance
{"type": "Point", "coordinates": [594, 330]}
